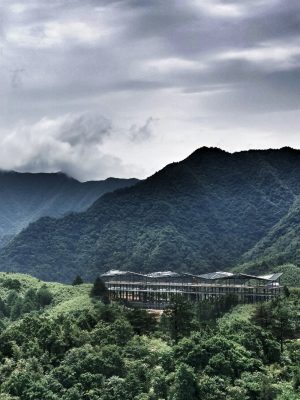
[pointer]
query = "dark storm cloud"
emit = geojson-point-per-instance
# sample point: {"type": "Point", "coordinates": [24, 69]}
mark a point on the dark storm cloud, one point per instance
{"type": "Point", "coordinates": [144, 35]}
{"type": "Point", "coordinates": [182, 61]}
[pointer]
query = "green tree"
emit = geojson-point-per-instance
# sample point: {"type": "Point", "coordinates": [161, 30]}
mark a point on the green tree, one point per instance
{"type": "Point", "coordinates": [214, 388]}
{"type": "Point", "coordinates": [3, 308]}
{"type": "Point", "coordinates": [185, 384]}
{"type": "Point", "coordinates": [142, 321]}
{"type": "Point", "coordinates": [296, 379]}
{"type": "Point", "coordinates": [286, 291]}
{"type": "Point", "coordinates": [77, 281]}
{"type": "Point", "coordinates": [44, 296]}
{"type": "Point", "coordinates": [12, 284]}
{"type": "Point", "coordinates": [283, 323]}
{"type": "Point", "coordinates": [16, 309]}
{"type": "Point", "coordinates": [11, 299]}
{"type": "Point", "coordinates": [263, 315]}
{"type": "Point", "coordinates": [178, 318]}
{"type": "Point", "coordinates": [30, 301]}
{"type": "Point", "coordinates": [122, 331]}
{"type": "Point", "coordinates": [158, 385]}
{"type": "Point", "coordinates": [100, 291]}
{"type": "Point", "coordinates": [114, 389]}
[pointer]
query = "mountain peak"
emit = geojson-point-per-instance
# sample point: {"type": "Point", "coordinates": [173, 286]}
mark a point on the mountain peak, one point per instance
{"type": "Point", "coordinates": [208, 150]}
{"type": "Point", "coordinates": [206, 153]}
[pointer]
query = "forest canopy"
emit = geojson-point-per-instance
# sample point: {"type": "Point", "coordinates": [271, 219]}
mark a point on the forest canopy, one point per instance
{"type": "Point", "coordinates": [62, 342]}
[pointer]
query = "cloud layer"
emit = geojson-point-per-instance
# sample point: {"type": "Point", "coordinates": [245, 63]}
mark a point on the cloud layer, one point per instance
{"type": "Point", "coordinates": [168, 76]}
{"type": "Point", "coordinates": [71, 144]}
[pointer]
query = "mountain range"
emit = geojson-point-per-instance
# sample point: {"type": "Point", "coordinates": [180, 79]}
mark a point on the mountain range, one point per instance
{"type": "Point", "coordinates": [212, 211]}
{"type": "Point", "coordinates": [26, 197]}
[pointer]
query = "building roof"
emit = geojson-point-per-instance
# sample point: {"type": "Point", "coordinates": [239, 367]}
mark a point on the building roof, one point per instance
{"type": "Point", "coordinates": [271, 277]}
{"type": "Point", "coordinates": [163, 274]}
{"type": "Point", "coordinates": [118, 272]}
{"type": "Point", "coordinates": [216, 275]}
{"type": "Point", "coordinates": [209, 276]}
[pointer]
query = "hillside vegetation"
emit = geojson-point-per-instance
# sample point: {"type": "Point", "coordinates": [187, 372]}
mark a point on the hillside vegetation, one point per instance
{"type": "Point", "coordinates": [26, 197]}
{"type": "Point", "coordinates": [58, 343]}
{"type": "Point", "coordinates": [212, 211]}
{"type": "Point", "coordinates": [64, 298]}
{"type": "Point", "coordinates": [282, 243]}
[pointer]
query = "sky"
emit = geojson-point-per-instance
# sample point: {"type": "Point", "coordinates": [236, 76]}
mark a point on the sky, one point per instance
{"type": "Point", "coordinates": [100, 88]}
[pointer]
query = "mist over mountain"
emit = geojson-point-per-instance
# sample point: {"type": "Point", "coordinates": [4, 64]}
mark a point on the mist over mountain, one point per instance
{"type": "Point", "coordinates": [25, 197]}
{"type": "Point", "coordinates": [212, 211]}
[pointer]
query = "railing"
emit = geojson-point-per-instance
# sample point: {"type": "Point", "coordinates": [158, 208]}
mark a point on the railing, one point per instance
{"type": "Point", "coordinates": [159, 294]}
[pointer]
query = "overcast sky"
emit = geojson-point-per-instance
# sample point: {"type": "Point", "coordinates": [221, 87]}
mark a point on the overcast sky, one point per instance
{"type": "Point", "coordinates": [100, 88]}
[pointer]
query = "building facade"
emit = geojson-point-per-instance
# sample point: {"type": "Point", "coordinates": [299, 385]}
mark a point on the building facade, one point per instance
{"type": "Point", "coordinates": [155, 290]}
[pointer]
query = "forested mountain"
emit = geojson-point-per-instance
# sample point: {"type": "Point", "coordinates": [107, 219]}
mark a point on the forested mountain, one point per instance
{"type": "Point", "coordinates": [281, 245]}
{"type": "Point", "coordinates": [202, 214]}
{"type": "Point", "coordinates": [26, 197]}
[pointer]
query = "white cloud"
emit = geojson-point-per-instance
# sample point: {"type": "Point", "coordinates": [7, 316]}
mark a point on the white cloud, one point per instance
{"type": "Point", "coordinates": [56, 33]}
{"type": "Point", "coordinates": [70, 143]}
{"type": "Point", "coordinates": [272, 55]}
{"type": "Point", "coordinates": [182, 62]}
{"type": "Point", "coordinates": [173, 64]}
{"type": "Point", "coordinates": [219, 9]}
{"type": "Point", "coordinates": [17, 8]}
{"type": "Point", "coordinates": [232, 9]}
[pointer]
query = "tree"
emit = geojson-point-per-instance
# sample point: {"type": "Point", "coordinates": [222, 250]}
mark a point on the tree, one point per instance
{"type": "Point", "coordinates": [283, 323]}
{"type": "Point", "coordinates": [286, 291]}
{"type": "Point", "coordinates": [44, 296]}
{"type": "Point", "coordinates": [122, 331]}
{"type": "Point", "coordinates": [263, 315]}
{"type": "Point", "coordinates": [30, 301]}
{"type": "Point", "coordinates": [114, 389]}
{"type": "Point", "coordinates": [296, 379]}
{"type": "Point", "coordinates": [267, 390]}
{"type": "Point", "coordinates": [11, 299]}
{"type": "Point", "coordinates": [142, 321]}
{"type": "Point", "coordinates": [159, 385]}
{"type": "Point", "coordinates": [185, 385]}
{"type": "Point", "coordinates": [3, 308]}
{"type": "Point", "coordinates": [12, 284]}
{"type": "Point", "coordinates": [16, 309]}
{"type": "Point", "coordinates": [100, 291]}
{"type": "Point", "coordinates": [214, 388]}
{"type": "Point", "coordinates": [77, 281]}
{"type": "Point", "coordinates": [178, 318]}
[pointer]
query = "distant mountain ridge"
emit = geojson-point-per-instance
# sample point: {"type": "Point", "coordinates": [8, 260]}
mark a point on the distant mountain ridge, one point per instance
{"type": "Point", "coordinates": [207, 212]}
{"type": "Point", "coordinates": [25, 197]}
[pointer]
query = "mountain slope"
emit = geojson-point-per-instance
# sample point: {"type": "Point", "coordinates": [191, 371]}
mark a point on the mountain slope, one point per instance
{"type": "Point", "coordinates": [26, 197]}
{"type": "Point", "coordinates": [280, 246]}
{"type": "Point", "coordinates": [198, 215]}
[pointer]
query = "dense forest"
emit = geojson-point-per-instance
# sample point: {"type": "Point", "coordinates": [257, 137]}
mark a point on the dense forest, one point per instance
{"type": "Point", "coordinates": [26, 197]}
{"type": "Point", "coordinates": [67, 342]}
{"type": "Point", "coordinates": [212, 211]}
{"type": "Point", "coordinates": [281, 245]}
